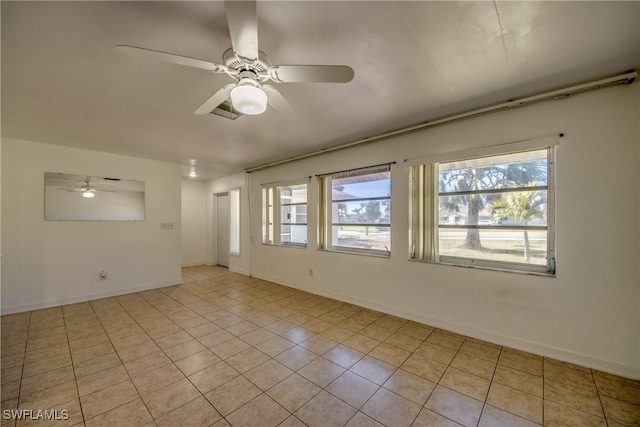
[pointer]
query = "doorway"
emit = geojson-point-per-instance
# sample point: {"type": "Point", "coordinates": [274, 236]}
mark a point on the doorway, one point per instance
{"type": "Point", "coordinates": [223, 229]}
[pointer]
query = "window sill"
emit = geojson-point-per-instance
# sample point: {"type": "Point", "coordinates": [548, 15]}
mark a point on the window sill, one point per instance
{"type": "Point", "coordinates": [291, 245]}
{"type": "Point", "coordinates": [486, 267]}
{"type": "Point", "coordinates": [348, 252]}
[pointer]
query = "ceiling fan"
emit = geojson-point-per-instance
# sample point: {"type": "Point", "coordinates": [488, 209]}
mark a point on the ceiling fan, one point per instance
{"type": "Point", "coordinates": [88, 191]}
{"type": "Point", "coordinates": [249, 67]}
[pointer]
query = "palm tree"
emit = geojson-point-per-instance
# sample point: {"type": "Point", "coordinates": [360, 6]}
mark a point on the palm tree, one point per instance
{"type": "Point", "coordinates": [522, 207]}
{"type": "Point", "coordinates": [484, 178]}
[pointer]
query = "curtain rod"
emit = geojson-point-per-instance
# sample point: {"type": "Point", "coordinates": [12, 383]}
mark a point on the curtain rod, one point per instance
{"type": "Point", "coordinates": [626, 78]}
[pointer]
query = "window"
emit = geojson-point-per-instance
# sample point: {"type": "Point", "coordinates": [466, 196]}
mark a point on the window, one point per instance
{"type": "Point", "coordinates": [234, 221]}
{"type": "Point", "coordinates": [284, 215]}
{"type": "Point", "coordinates": [357, 211]}
{"type": "Point", "coordinates": [494, 211]}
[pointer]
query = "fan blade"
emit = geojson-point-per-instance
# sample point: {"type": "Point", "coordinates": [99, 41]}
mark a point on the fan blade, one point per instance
{"type": "Point", "coordinates": [311, 73]}
{"type": "Point", "coordinates": [243, 28]}
{"type": "Point", "coordinates": [216, 99]}
{"type": "Point", "coordinates": [170, 57]}
{"type": "Point", "coordinates": [279, 103]}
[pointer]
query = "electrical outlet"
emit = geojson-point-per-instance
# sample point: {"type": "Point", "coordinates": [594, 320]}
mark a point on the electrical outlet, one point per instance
{"type": "Point", "coordinates": [166, 226]}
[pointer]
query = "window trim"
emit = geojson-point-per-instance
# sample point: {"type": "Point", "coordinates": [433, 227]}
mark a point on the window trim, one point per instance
{"type": "Point", "coordinates": [275, 220]}
{"type": "Point", "coordinates": [421, 236]}
{"type": "Point", "coordinates": [326, 224]}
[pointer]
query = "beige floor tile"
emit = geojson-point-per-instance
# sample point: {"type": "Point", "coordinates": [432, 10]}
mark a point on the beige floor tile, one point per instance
{"type": "Point", "coordinates": [569, 376]}
{"type": "Point", "coordinates": [493, 417]}
{"type": "Point", "coordinates": [262, 411]}
{"type": "Point", "coordinates": [10, 390]}
{"type": "Point", "coordinates": [91, 352]}
{"type": "Point", "coordinates": [173, 396]}
{"type": "Point", "coordinates": [268, 374]}
{"type": "Point", "coordinates": [519, 380]}
{"type": "Point", "coordinates": [50, 397]}
{"type": "Point", "coordinates": [147, 363]}
{"type": "Point", "coordinates": [163, 331]}
{"type": "Point", "coordinates": [392, 355]}
{"type": "Point", "coordinates": [391, 409]}
{"type": "Point", "coordinates": [352, 389]}
{"type": "Point", "coordinates": [618, 388]}
{"type": "Point", "coordinates": [108, 398]}
{"type": "Point", "coordinates": [213, 376]}
{"type": "Point", "coordinates": [197, 362]}
{"type": "Point", "coordinates": [362, 343]}
{"type": "Point", "coordinates": [296, 357]}
{"type": "Point", "coordinates": [132, 414]}
{"type": "Point", "coordinates": [521, 361]}
{"type": "Point", "coordinates": [274, 346]}
{"type": "Point", "coordinates": [275, 326]}
{"type": "Point", "coordinates": [455, 406]}
{"type": "Point", "coordinates": [362, 420]}
{"type": "Point", "coordinates": [444, 339]}
{"type": "Point", "coordinates": [516, 402]}
{"type": "Point", "coordinates": [420, 332]}
{"type": "Point", "coordinates": [232, 395]}
{"type": "Point", "coordinates": [214, 338]}
{"type": "Point", "coordinates": [337, 333]}
{"type": "Point", "coordinates": [325, 410]}
{"type": "Point", "coordinates": [173, 339]}
{"type": "Point", "coordinates": [343, 356]}
{"type": "Point", "coordinates": [183, 350]}
{"type": "Point", "coordinates": [101, 380]}
{"type": "Point", "coordinates": [426, 368]}
{"type": "Point", "coordinates": [229, 348]}
{"type": "Point", "coordinates": [318, 344]}
{"type": "Point", "coordinates": [376, 332]}
{"type": "Point", "coordinates": [157, 378]}
{"type": "Point", "coordinates": [473, 365]}
{"type": "Point", "coordinates": [44, 380]}
{"type": "Point", "coordinates": [121, 343]}
{"type": "Point", "coordinates": [293, 392]}
{"type": "Point", "coordinates": [292, 421]}
{"type": "Point", "coordinates": [297, 334]}
{"type": "Point", "coordinates": [373, 369]}
{"type": "Point", "coordinates": [59, 349]}
{"type": "Point", "coordinates": [558, 415]}
{"type": "Point", "coordinates": [481, 351]}
{"type": "Point", "coordinates": [436, 352]}
{"type": "Point", "coordinates": [321, 372]}
{"type": "Point", "coordinates": [135, 352]}
{"type": "Point", "coordinates": [197, 413]}
{"type": "Point", "coordinates": [410, 386]}
{"type": "Point", "coordinates": [427, 418]}
{"type": "Point", "coordinates": [573, 397]}
{"type": "Point", "coordinates": [620, 411]}
{"type": "Point", "coordinates": [465, 383]}
{"type": "Point", "coordinates": [45, 365]}
{"type": "Point", "coordinates": [247, 359]}
{"type": "Point", "coordinates": [97, 364]}
{"type": "Point", "coordinates": [317, 325]}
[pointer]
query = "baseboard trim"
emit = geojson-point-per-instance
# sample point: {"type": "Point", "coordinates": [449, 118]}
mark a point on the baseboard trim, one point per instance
{"type": "Point", "coordinates": [564, 355]}
{"type": "Point", "coordinates": [194, 264]}
{"type": "Point", "coordinates": [240, 271]}
{"type": "Point", "coordinates": [83, 298]}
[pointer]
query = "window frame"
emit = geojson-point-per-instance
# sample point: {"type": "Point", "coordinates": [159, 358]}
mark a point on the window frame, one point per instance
{"type": "Point", "coordinates": [326, 224]}
{"type": "Point", "coordinates": [235, 230]}
{"type": "Point", "coordinates": [271, 214]}
{"type": "Point", "coordinates": [424, 217]}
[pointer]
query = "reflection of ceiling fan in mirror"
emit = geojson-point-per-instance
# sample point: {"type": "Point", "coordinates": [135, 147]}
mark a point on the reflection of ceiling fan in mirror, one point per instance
{"type": "Point", "coordinates": [87, 190]}
{"type": "Point", "coordinates": [250, 67]}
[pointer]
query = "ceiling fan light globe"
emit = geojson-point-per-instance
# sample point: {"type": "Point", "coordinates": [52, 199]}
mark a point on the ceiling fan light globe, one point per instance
{"type": "Point", "coordinates": [249, 100]}
{"type": "Point", "coordinates": [88, 194]}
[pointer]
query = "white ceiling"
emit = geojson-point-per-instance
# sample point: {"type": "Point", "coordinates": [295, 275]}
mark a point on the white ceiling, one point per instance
{"type": "Point", "coordinates": [63, 82]}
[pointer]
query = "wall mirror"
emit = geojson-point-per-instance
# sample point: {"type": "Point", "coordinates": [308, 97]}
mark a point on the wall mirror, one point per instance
{"type": "Point", "coordinates": [91, 198]}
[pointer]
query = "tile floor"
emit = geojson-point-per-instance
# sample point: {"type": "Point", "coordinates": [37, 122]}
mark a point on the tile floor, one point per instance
{"type": "Point", "coordinates": [225, 349]}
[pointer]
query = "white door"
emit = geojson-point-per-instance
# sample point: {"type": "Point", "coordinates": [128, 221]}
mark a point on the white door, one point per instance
{"type": "Point", "coordinates": [223, 230]}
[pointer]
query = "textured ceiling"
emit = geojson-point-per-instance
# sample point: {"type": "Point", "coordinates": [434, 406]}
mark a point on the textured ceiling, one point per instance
{"type": "Point", "coordinates": [63, 82]}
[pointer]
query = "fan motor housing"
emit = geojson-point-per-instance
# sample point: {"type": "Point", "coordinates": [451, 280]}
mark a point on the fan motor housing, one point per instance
{"type": "Point", "coordinates": [259, 67]}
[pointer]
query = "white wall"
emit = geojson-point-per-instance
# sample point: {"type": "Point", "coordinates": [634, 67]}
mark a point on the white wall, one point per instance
{"type": "Point", "coordinates": [48, 263]}
{"type": "Point", "coordinates": [588, 314]}
{"type": "Point", "coordinates": [194, 195]}
{"type": "Point", "coordinates": [239, 263]}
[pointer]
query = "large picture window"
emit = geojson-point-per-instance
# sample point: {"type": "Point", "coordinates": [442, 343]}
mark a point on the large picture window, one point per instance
{"type": "Point", "coordinates": [494, 211]}
{"type": "Point", "coordinates": [285, 214]}
{"type": "Point", "coordinates": [357, 211]}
